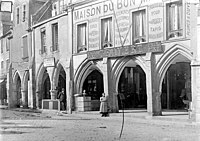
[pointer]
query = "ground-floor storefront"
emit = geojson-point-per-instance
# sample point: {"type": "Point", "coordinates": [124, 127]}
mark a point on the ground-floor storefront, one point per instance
{"type": "Point", "coordinates": [151, 81]}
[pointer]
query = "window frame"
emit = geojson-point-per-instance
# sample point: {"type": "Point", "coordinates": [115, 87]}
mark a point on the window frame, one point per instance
{"type": "Point", "coordinates": [112, 31]}
{"type": "Point", "coordinates": [7, 63]}
{"type": "Point", "coordinates": [86, 37]}
{"type": "Point", "coordinates": [2, 64]}
{"type": "Point", "coordinates": [8, 44]}
{"type": "Point", "coordinates": [146, 25]}
{"type": "Point", "coordinates": [2, 50]}
{"type": "Point", "coordinates": [24, 9]}
{"type": "Point", "coordinates": [22, 46]}
{"type": "Point", "coordinates": [17, 15]}
{"type": "Point", "coordinates": [43, 48]}
{"type": "Point", "coordinates": [166, 20]}
{"type": "Point", "coordinates": [54, 40]}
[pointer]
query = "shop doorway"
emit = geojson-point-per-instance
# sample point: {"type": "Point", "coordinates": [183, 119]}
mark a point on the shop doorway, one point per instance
{"type": "Point", "coordinates": [174, 86]}
{"type": "Point", "coordinates": [132, 84]}
{"type": "Point", "coordinates": [46, 86]}
{"type": "Point", "coordinates": [93, 85]}
{"type": "Point", "coordinates": [62, 80]}
{"type": "Point", "coordinates": [18, 92]}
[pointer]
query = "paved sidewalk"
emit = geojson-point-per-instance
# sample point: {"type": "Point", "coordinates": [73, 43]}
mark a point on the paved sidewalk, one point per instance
{"type": "Point", "coordinates": [170, 117]}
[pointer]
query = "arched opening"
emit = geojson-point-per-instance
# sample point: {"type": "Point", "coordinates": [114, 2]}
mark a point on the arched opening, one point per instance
{"type": "Point", "coordinates": [25, 88]}
{"type": "Point", "coordinates": [46, 86]}
{"type": "Point", "coordinates": [61, 80]}
{"type": "Point", "coordinates": [93, 85]}
{"type": "Point", "coordinates": [18, 92]}
{"type": "Point", "coordinates": [176, 86]}
{"type": "Point", "coordinates": [132, 84]}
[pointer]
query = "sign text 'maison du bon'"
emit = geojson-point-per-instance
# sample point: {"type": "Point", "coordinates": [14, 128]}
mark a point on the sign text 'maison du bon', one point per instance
{"type": "Point", "coordinates": [125, 51]}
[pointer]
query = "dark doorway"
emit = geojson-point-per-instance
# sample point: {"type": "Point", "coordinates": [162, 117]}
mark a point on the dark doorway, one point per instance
{"type": "Point", "coordinates": [94, 85]}
{"type": "Point", "coordinates": [173, 85]}
{"type": "Point", "coordinates": [19, 94]}
{"type": "Point", "coordinates": [62, 80]}
{"type": "Point", "coordinates": [132, 85]}
{"type": "Point", "coordinates": [46, 86]}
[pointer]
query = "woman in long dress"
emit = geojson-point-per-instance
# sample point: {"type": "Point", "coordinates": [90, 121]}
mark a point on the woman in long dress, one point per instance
{"type": "Point", "coordinates": [104, 105]}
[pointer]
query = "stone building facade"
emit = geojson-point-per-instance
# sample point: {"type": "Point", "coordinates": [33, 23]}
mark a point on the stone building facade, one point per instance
{"type": "Point", "coordinates": [142, 53]}
{"type": "Point", "coordinates": [52, 52]}
{"type": "Point", "coordinates": [5, 41]}
{"type": "Point", "coordinates": [145, 50]}
{"type": "Point", "coordinates": [19, 85]}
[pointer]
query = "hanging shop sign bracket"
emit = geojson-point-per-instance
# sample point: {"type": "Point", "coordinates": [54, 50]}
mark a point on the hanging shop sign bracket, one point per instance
{"type": "Point", "coordinates": [154, 47]}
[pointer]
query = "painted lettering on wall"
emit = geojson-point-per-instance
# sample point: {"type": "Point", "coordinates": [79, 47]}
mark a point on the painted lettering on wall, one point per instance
{"type": "Point", "coordinates": [122, 27]}
{"type": "Point", "coordinates": [188, 11]}
{"type": "Point", "coordinates": [156, 22]}
{"type": "Point", "coordinates": [106, 7]}
{"type": "Point", "coordinates": [94, 34]}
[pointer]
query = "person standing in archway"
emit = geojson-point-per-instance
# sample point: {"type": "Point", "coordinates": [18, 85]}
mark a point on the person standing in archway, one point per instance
{"type": "Point", "coordinates": [62, 98]}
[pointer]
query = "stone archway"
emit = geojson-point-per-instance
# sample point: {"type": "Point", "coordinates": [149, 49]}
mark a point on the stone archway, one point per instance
{"type": "Point", "coordinates": [172, 69]}
{"type": "Point", "coordinates": [39, 84]}
{"type": "Point", "coordinates": [129, 72]}
{"type": "Point", "coordinates": [59, 77]}
{"type": "Point", "coordinates": [82, 72]}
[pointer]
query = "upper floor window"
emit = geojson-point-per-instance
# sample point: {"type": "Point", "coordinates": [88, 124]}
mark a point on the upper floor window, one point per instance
{"type": "Point", "coordinates": [24, 13]}
{"type": "Point", "coordinates": [2, 64]}
{"type": "Point", "coordinates": [63, 6]}
{"type": "Point", "coordinates": [43, 40]}
{"type": "Point", "coordinates": [139, 26]}
{"type": "Point", "coordinates": [24, 47]}
{"type": "Point", "coordinates": [1, 45]}
{"type": "Point", "coordinates": [81, 37]}
{"type": "Point", "coordinates": [7, 44]}
{"type": "Point", "coordinates": [7, 63]}
{"type": "Point", "coordinates": [174, 19]}
{"type": "Point", "coordinates": [106, 32]}
{"type": "Point", "coordinates": [54, 37]}
{"type": "Point", "coordinates": [18, 15]}
{"type": "Point", "coordinates": [55, 8]}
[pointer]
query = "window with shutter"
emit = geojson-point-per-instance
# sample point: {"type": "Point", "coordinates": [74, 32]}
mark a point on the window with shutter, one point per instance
{"type": "Point", "coordinates": [24, 47]}
{"type": "Point", "coordinates": [1, 45]}
{"type": "Point", "coordinates": [55, 37]}
{"type": "Point", "coordinates": [24, 13]}
{"type": "Point", "coordinates": [17, 15]}
{"type": "Point", "coordinates": [43, 40]}
{"type": "Point", "coordinates": [7, 44]}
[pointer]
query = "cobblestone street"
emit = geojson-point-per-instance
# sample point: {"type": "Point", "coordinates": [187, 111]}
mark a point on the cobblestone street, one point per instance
{"type": "Point", "coordinates": [36, 126]}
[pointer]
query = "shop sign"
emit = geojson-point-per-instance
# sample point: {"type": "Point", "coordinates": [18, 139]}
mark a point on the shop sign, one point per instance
{"type": "Point", "coordinates": [107, 7]}
{"type": "Point", "coordinates": [49, 62]}
{"type": "Point", "coordinates": [153, 47]}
